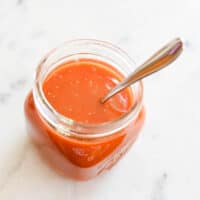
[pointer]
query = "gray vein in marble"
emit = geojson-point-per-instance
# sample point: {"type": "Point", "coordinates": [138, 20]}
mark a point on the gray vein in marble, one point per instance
{"type": "Point", "coordinates": [12, 44]}
{"type": "Point", "coordinates": [37, 34]}
{"type": "Point", "coordinates": [19, 84]}
{"type": "Point", "coordinates": [20, 2]}
{"type": "Point", "coordinates": [12, 171]}
{"type": "Point", "coordinates": [14, 86]}
{"type": "Point", "coordinates": [4, 97]}
{"type": "Point", "coordinates": [159, 187]}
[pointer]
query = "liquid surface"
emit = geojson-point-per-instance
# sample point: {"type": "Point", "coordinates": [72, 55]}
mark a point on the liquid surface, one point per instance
{"type": "Point", "coordinates": [74, 89]}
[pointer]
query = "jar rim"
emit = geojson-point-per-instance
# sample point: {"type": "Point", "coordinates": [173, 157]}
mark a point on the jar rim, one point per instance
{"type": "Point", "coordinates": [69, 127]}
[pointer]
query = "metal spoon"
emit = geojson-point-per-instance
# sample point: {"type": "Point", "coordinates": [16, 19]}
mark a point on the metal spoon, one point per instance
{"type": "Point", "coordinates": [158, 61]}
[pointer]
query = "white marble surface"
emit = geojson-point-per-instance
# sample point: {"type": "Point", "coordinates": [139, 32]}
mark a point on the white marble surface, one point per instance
{"type": "Point", "coordinates": [164, 163]}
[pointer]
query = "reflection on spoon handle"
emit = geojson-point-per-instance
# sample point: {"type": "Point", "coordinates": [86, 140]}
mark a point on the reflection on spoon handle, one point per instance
{"type": "Point", "coordinates": [159, 60]}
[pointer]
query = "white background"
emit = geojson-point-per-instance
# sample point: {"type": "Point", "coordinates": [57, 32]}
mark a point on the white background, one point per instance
{"type": "Point", "coordinates": [164, 163]}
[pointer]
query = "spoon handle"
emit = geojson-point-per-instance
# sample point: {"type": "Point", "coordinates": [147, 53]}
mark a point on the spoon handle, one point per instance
{"type": "Point", "coordinates": [158, 61]}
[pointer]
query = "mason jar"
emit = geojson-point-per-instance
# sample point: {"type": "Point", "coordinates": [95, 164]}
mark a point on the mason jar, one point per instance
{"type": "Point", "coordinates": [79, 150]}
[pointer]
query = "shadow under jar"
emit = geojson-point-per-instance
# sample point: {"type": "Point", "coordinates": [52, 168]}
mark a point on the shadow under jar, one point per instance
{"type": "Point", "coordinates": [77, 148]}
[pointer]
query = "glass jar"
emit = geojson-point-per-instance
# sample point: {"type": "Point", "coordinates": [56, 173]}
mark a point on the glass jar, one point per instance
{"type": "Point", "coordinates": [78, 150]}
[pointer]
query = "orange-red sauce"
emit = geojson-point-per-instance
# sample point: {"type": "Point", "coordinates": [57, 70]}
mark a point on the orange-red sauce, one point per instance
{"type": "Point", "coordinates": [75, 89]}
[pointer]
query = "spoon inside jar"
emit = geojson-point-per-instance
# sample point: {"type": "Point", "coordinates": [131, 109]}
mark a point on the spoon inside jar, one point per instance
{"type": "Point", "coordinates": [156, 62]}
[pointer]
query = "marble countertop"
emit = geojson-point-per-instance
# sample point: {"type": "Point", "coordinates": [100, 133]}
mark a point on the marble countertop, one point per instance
{"type": "Point", "coordinates": [164, 163]}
